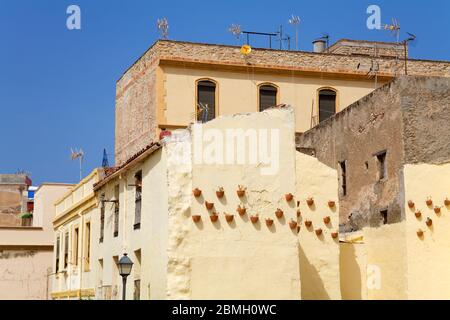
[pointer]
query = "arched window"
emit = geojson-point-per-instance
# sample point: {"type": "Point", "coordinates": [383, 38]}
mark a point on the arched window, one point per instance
{"type": "Point", "coordinates": [206, 100]}
{"type": "Point", "coordinates": [267, 96]}
{"type": "Point", "coordinates": [327, 104]}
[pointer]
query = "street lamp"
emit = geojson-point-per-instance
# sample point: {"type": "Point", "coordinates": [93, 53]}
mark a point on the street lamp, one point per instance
{"type": "Point", "coordinates": [125, 264]}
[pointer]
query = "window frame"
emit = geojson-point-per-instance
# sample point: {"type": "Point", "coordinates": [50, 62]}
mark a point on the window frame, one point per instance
{"type": "Point", "coordinates": [336, 103]}
{"type": "Point", "coordinates": [216, 97]}
{"type": "Point", "coordinates": [258, 93]}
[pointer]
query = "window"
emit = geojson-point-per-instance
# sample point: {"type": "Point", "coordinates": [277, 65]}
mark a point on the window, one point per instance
{"type": "Point", "coordinates": [116, 211]}
{"type": "Point", "coordinates": [381, 159]}
{"type": "Point", "coordinates": [137, 200]}
{"type": "Point", "coordinates": [75, 246]}
{"type": "Point", "coordinates": [102, 218]}
{"type": "Point", "coordinates": [137, 275]}
{"type": "Point", "coordinates": [87, 246]}
{"type": "Point", "coordinates": [66, 250]}
{"type": "Point", "coordinates": [58, 249]}
{"type": "Point", "coordinates": [343, 167]}
{"type": "Point", "coordinates": [137, 290]}
{"type": "Point", "coordinates": [384, 216]}
{"type": "Point", "coordinates": [267, 96]}
{"type": "Point", "coordinates": [206, 100]}
{"type": "Point", "coordinates": [327, 104]}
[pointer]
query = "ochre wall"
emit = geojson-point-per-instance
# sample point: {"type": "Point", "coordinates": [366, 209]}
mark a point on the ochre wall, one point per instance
{"type": "Point", "coordinates": [238, 93]}
{"type": "Point", "coordinates": [429, 256]}
{"type": "Point", "coordinates": [318, 255]}
{"type": "Point", "coordinates": [237, 260]}
{"type": "Point", "coordinates": [352, 267]}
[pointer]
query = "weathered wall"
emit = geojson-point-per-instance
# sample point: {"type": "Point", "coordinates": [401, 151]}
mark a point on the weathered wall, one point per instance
{"type": "Point", "coordinates": [355, 135]}
{"type": "Point", "coordinates": [24, 274]}
{"type": "Point", "coordinates": [318, 255]}
{"type": "Point", "coordinates": [428, 256]}
{"type": "Point", "coordinates": [426, 117]}
{"type": "Point", "coordinates": [237, 260]}
{"type": "Point", "coordinates": [353, 271]}
{"type": "Point", "coordinates": [379, 49]}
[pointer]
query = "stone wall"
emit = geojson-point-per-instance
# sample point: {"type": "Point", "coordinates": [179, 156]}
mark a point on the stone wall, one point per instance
{"type": "Point", "coordinates": [369, 48]}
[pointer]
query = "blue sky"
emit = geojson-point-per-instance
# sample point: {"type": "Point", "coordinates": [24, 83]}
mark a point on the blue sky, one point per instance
{"type": "Point", "coordinates": [57, 86]}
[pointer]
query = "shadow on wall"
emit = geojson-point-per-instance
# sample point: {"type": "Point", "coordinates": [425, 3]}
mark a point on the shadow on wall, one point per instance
{"type": "Point", "coordinates": [351, 277]}
{"type": "Point", "coordinates": [311, 282]}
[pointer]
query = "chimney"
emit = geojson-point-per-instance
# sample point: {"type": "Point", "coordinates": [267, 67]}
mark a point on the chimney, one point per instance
{"type": "Point", "coordinates": [319, 46]}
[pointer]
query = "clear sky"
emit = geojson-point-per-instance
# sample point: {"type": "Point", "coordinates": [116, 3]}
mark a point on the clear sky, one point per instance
{"type": "Point", "coordinates": [57, 86]}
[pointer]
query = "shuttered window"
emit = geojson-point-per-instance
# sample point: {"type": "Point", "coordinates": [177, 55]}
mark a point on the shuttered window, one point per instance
{"type": "Point", "coordinates": [206, 101]}
{"type": "Point", "coordinates": [327, 104]}
{"type": "Point", "coordinates": [267, 97]}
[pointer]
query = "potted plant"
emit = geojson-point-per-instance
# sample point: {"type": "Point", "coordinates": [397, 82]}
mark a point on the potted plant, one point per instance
{"type": "Point", "coordinates": [429, 202]}
{"type": "Point", "coordinates": [254, 219]}
{"type": "Point", "coordinates": [447, 202]}
{"type": "Point", "coordinates": [214, 217]}
{"type": "Point", "coordinates": [310, 201]}
{"type": "Point", "coordinates": [318, 232]}
{"type": "Point", "coordinates": [418, 214]}
{"type": "Point", "coordinates": [334, 235]}
{"type": "Point", "coordinates": [429, 222]}
{"type": "Point", "coordinates": [308, 223]}
{"type": "Point", "coordinates": [241, 210]}
{"type": "Point", "coordinates": [240, 191]}
{"type": "Point", "coordinates": [220, 193]}
{"type": "Point", "coordinates": [196, 218]}
{"type": "Point", "coordinates": [269, 222]}
{"type": "Point", "coordinates": [27, 219]}
{"type": "Point", "coordinates": [209, 205]}
{"type": "Point", "coordinates": [197, 192]}
{"type": "Point", "coordinates": [293, 224]}
{"type": "Point", "coordinates": [420, 233]}
{"type": "Point", "coordinates": [331, 203]}
{"type": "Point", "coordinates": [410, 204]}
{"type": "Point", "coordinates": [289, 197]}
{"type": "Point", "coordinates": [229, 217]}
{"type": "Point", "coordinates": [437, 210]}
{"type": "Point", "coordinates": [327, 220]}
{"type": "Point", "coordinates": [279, 213]}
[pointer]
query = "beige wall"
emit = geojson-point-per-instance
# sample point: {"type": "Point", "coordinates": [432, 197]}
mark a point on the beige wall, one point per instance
{"type": "Point", "coordinates": [238, 93]}
{"type": "Point", "coordinates": [318, 255]}
{"type": "Point", "coordinates": [428, 257]}
{"type": "Point", "coordinates": [352, 268]}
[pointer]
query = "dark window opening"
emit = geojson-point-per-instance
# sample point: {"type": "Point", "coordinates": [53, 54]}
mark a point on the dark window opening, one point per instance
{"type": "Point", "coordinates": [267, 97]}
{"type": "Point", "coordinates": [58, 246]}
{"type": "Point", "coordinates": [382, 172]}
{"type": "Point", "coordinates": [138, 200]}
{"type": "Point", "coordinates": [367, 165]}
{"type": "Point", "coordinates": [116, 211]}
{"type": "Point", "coordinates": [66, 250]}
{"type": "Point", "coordinates": [206, 101]}
{"type": "Point", "coordinates": [343, 181]}
{"type": "Point", "coordinates": [384, 216]}
{"type": "Point", "coordinates": [102, 218]}
{"type": "Point", "coordinates": [327, 104]}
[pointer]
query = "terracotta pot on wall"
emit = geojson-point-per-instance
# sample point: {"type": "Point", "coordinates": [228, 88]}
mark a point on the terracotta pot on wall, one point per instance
{"type": "Point", "coordinates": [289, 197]}
{"type": "Point", "coordinates": [293, 224]}
{"type": "Point", "coordinates": [447, 202]}
{"type": "Point", "coordinates": [197, 192]}
{"type": "Point", "coordinates": [308, 223]}
{"type": "Point", "coordinates": [420, 233]}
{"type": "Point", "coordinates": [241, 210]}
{"type": "Point", "coordinates": [326, 220]}
{"type": "Point", "coordinates": [437, 210]}
{"type": "Point", "coordinates": [240, 193]}
{"type": "Point", "coordinates": [209, 205]}
{"type": "Point", "coordinates": [254, 219]}
{"type": "Point", "coordinates": [410, 204]}
{"type": "Point", "coordinates": [319, 232]}
{"type": "Point", "coordinates": [331, 204]}
{"type": "Point", "coordinates": [229, 217]}
{"type": "Point", "coordinates": [310, 201]}
{"type": "Point", "coordinates": [429, 222]}
{"type": "Point", "coordinates": [214, 217]}
{"type": "Point", "coordinates": [418, 214]}
{"type": "Point", "coordinates": [334, 235]}
{"type": "Point", "coordinates": [269, 222]}
{"type": "Point", "coordinates": [429, 202]}
{"type": "Point", "coordinates": [196, 218]}
{"type": "Point", "coordinates": [279, 213]}
{"type": "Point", "coordinates": [220, 194]}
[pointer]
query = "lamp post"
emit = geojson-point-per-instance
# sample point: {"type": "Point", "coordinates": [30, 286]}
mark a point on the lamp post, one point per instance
{"type": "Point", "coordinates": [125, 264]}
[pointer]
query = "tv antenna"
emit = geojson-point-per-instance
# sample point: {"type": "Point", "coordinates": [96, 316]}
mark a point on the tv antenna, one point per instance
{"type": "Point", "coordinates": [405, 42]}
{"type": "Point", "coordinates": [78, 155]}
{"type": "Point", "coordinates": [163, 27]}
{"type": "Point", "coordinates": [235, 30]}
{"type": "Point", "coordinates": [295, 21]}
{"type": "Point", "coordinates": [105, 162]}
{"type": "Point", "coordinates": [394, 28]}
{"type": "Point", "coordinates": [281, 39]}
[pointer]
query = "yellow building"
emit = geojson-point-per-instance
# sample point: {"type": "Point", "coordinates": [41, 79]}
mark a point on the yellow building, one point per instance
{"type": "Point", "coordinates": [73, 224]}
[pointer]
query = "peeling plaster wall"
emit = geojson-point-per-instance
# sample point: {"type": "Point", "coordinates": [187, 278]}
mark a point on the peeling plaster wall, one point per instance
{"type": "Point", "coordinates": [429, 256]}
{"type": "Point", "coordinates": [318, 255]}
{"type": "Point", "coordinates": [237, 260]}
{"type": "Point", "coordinates": [23, 274]}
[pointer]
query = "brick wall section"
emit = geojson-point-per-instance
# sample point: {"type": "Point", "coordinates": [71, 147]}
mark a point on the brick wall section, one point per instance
{"type": "Point", "coordinates": [136, 113]}
{"type": "Point", "coordinates": [355, 135]}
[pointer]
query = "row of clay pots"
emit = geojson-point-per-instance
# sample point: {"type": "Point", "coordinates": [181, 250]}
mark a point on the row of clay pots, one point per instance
{"type": "Point", "coordinates": [229, 218]}
{"type": "Point", "coordinates": [429, 203]}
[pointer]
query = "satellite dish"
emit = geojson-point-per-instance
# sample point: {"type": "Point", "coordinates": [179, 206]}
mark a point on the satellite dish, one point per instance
{"type": "Point", "coordinates": [246, 49]}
